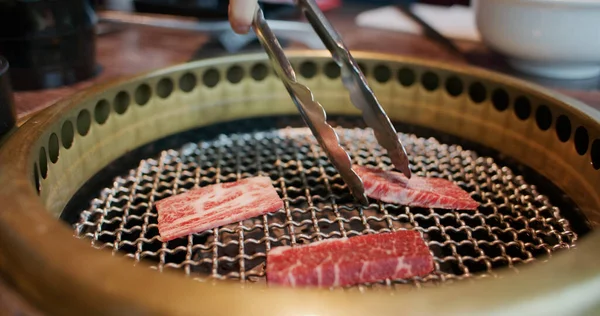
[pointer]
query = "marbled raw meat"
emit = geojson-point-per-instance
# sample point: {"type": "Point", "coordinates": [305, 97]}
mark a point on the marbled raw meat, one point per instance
{"type": "Point", "coordinates": [216, 205]}
{"type": "Point", "coordinates": [349, 261]}
{"type": "Point", "coordinates": [394, 187]}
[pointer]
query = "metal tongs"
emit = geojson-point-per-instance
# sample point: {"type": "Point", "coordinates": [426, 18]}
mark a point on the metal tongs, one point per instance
{"type": "Point", "coordinates": [314, 114]}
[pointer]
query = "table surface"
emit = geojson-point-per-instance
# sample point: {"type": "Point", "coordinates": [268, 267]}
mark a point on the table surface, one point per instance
{"type": "Point", "coordinates": [138, 49]}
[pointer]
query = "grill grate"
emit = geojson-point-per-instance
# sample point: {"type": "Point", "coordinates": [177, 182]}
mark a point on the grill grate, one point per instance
{"type": "Point", "coordinates": [514, 225]}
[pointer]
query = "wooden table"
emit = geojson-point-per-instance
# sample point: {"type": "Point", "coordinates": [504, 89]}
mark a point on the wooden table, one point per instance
{"type": "Point", "coordinates": [136, 49]}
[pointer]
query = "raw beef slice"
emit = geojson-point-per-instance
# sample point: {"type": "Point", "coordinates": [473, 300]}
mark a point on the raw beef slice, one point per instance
{"type": "Point", "coordinates": [216, 205]}
{"type": "Point", "coordinates": [348, 261]}
{"type": "Point", "coordinates": [394, 187]}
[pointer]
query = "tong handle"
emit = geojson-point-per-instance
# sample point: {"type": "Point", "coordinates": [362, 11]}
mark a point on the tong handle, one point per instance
{"type": "Point", "coordinates": [355, 82]}
{"type": "Point", "coordinates": [269, 41]}
{"type": "Point", "coordinates": [311, 111]}
{"type": "Point", "coordinates": [328, 35]}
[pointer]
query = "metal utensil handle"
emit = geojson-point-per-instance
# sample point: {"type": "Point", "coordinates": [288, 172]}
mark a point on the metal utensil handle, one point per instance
{"type": "Point", "coordinates": [329, 36]}
{"type": "Point", "coordinates": [355, 82]}
{"type": "Point", "coordinates": [311, 111]}
{"type": "Point", "coordinates": [269, 41]}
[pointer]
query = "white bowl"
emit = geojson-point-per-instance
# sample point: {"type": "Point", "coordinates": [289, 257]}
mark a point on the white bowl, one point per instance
{"type": "Point", "coordinates": [548, 38]}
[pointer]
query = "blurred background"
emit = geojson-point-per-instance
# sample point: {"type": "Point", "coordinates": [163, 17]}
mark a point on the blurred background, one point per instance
{"type": "Point", "coordinates": [57, 47]}
{"type": "Point", "coordinates": [52, 43]}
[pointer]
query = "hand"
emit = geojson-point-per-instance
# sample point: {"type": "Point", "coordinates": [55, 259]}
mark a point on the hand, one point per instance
{"type": "Point", "coordinates": [241, 13]}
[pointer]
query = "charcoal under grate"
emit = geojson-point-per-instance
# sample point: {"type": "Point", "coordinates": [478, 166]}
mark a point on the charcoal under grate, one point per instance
{"type": "Point", "coordinates": [515, 224]}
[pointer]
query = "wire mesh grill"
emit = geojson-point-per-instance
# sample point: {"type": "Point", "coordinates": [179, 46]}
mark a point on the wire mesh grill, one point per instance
{"type": "Point", "coordinates": [515, 224]}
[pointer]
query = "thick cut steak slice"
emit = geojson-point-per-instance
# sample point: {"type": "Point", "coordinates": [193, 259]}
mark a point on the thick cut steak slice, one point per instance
{"type": "Point", "coordinates": [216, 205]}
{"type": "Point", "coordinates": [394, 187]}
{"type": "Point", "coordinates": [350, 261]}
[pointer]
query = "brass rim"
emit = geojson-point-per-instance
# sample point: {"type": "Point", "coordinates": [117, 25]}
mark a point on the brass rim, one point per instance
{"type": "Point", "coordinates": [49, 267]}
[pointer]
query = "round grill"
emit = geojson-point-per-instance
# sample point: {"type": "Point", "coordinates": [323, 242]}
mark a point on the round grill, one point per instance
{"type": "Point", "coordinates": [514, 224]}
{"type": "Point", "coordinates": [101, 160]}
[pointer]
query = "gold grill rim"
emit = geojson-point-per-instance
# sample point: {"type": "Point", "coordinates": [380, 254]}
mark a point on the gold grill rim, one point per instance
{"type": "Point", "coordinates": [35, 246]}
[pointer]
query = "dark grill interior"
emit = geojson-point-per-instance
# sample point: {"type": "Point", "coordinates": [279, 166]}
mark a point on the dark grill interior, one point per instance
{"type": "Point", "coordinates": [521, 217]}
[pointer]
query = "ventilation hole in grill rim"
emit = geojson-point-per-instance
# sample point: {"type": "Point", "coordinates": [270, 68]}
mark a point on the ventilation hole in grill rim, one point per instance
{"type": "Point", "coordinates": [430, 81]}
{"type": "Point", "coordinates": [308, 69]}
{"type": "Point", "coordinates": [53, 148]}
{"type": "Point", "coordinates": [211, 78]}
{"type": "Point", "coordinates": [142, 94]}
{"type": "Point", "coordinates": [522, 108]}
{"type": "Point", "coordinates": [101, 112]}
{"type": "Point", "coordinates": [43, 161]}
{"type": "Point", "coordinates": [164, 88]}
{"type": "Point", "coordinates": [582, 140]}
{"type": "Point", "coordinates": [406, 77]}
{"type": "Point", "coordinates": [187, 82]}
{"type": "Point", "coordinates": [454, 86]}
{"type": "Point", "coordinates": [382, 73]}
{"type": "Point", "coordinates": [235, 74]}
{"type": "Point", "coordinates": [259, 72]}
{"type": "Point", "coordinates": [121, 102]}
{"type": "Point", "coordinates": [332, 70]}
{"type": "Point", "coordinates": [36, 178]}
{"type": "Point", "coordinates": [595, 154]}
{"type": "Point", "coordinates": [563, 128]}
{"type": "Point", "coordinates": [67, 134]}
{"type": "Point", "coordinates": [500, 99]}
{"type": "Point", "coordinates": [477, 92]}
{"type": "Point", "coordinates": [84, 121]}
{"type": "Point", "coordinates": [543, 117]}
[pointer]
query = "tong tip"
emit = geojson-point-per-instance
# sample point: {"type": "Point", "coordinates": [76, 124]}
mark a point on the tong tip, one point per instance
{"type": "Point", "coordinates": [362, 199]}
{"type": "Point", "coordinates": [406, 172]}
{"type": "Point", "coordinates": [400, 160]}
